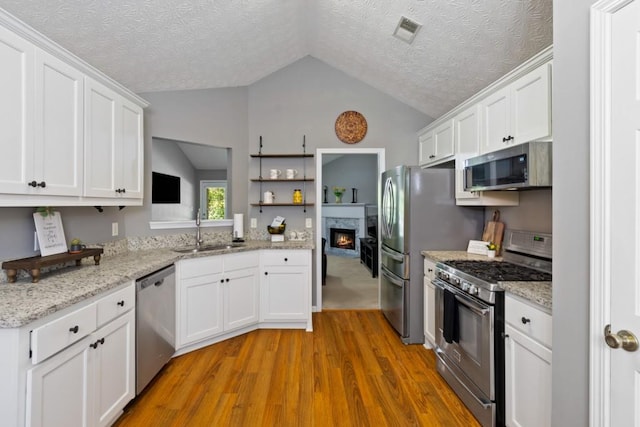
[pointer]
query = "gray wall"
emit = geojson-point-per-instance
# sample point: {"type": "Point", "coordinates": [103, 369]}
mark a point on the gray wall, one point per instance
{"type": "Point", "coordinates": [216, 117]}
{"type": "Point", "coordinates": [571, 213]}
{"type": "Point", "coordinates": [358, 171]}
{"type": "Point", "coordinates": [305, 98]}
{"type": "Point", "coordinates": [534, 212]}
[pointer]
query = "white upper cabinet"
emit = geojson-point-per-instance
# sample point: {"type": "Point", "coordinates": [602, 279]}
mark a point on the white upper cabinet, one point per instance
{"type": "Point", "coordinates": [70, 135]}
{"type": "Point", "coordinates": [468, 138]}
{"type": "Point", "coordinates": [16, 112]}
{"type": "Point", "coordinates": [519, 112]}
{"type": "Point", "coordinates": [114, 144]}
{"type": "Point", "coordinates": [436, 143]}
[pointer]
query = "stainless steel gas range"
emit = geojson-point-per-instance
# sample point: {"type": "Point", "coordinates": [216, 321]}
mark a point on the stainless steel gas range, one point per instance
{"type": "Point", "coordinates": [470, 319]}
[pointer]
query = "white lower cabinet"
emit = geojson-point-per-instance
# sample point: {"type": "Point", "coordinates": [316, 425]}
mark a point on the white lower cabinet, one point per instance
{"type": "Point", "coordinates": [285, 290]}
{"type": "Point", "coordinates": [527, 365]}
{"type": "Point", "coordinates": [88, 383]}
{"type": "Point", "coordinates": [216, 294]}
{"type": "Point", "coordinates": [429, 304]}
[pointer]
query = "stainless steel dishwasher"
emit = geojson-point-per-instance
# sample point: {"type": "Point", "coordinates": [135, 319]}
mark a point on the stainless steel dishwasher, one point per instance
{"type": "Point", "coordinates": [155, 323]}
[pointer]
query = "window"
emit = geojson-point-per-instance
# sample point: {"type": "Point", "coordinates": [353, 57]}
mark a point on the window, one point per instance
{"type": "Point", "coordinates": [213, 199]}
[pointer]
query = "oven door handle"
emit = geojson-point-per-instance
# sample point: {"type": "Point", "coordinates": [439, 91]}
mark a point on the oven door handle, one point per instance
{"type": "Point", "coordinates": [479, 310]}
{"type": "Point", "coordinates": [392, 277]}
{"type": "Point", "coordinates": [484, 403]}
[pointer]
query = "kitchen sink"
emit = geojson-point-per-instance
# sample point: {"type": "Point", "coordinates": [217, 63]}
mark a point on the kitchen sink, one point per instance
{"type": "Point", "coordinates": [205, 248]}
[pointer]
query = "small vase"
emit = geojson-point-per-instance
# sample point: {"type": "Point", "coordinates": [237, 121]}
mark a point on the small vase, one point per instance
{"type": "Point", "coordinates": [338, 198]}
{"type": "Point", "coordinates": [491, 254]}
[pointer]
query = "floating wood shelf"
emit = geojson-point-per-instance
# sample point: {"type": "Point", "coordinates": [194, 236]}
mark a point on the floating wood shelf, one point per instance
{"type": "Point", "coordinates": [34, 264]}
{"type": "Point", "coordinates": [281, 156]}
{"type": "Point", "coordinates": [282, 180]}
{"type": "Point", "coordinates": [282, 204]}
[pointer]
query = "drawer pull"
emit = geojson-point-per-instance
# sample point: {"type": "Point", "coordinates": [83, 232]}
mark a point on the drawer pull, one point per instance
{"type": "Point", "coordinates": [75, 329]}
{"type": "Point", "coordinates": [525, 320]}
{"type": "Point", "coordinates": [94, 345]}
{"type": "Point", "coordinates": [121, 303]}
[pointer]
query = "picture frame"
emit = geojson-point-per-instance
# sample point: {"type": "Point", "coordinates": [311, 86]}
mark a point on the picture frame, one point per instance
{"type": "Point", "coordinates": [50, 233]}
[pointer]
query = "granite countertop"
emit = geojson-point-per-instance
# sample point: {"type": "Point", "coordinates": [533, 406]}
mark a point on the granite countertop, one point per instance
{"type": "Point", "coordinates": [23, 302]}
{"type": "Point", "coordinates": [535, 292]}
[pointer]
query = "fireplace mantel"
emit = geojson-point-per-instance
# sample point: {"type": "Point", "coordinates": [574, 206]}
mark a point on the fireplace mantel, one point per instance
{"type": "Point", "coordinates": [343, 210]}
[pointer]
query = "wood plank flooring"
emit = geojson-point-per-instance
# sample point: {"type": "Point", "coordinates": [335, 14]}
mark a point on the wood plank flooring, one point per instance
{"type": "Point", "coordinates": [351, 371]}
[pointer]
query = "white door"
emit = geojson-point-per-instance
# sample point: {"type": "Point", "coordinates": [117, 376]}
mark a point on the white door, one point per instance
{"type": "Point", "coordinates": [615, 210]}
{"type": "Point", "coordinates": [241, 298]}
{"type": "Point", "coordinates": [131, 147]}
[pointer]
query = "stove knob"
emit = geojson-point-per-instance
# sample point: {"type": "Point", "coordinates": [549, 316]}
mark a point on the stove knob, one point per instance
{"type": "Point", "coordinates": [465, 286]}
{"type": "Point", "coordinates": [456, 281]}
{"type": "Point", "coordinates": [473, 290]}
{"type": "Point", "coordinates": [444, 276]}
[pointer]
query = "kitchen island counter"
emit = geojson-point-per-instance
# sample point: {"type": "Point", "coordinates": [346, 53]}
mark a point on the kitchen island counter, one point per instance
{"type": "Point", "coordinates": [536, 292]}
{"type": "Point", "coordinates": [23, 302]}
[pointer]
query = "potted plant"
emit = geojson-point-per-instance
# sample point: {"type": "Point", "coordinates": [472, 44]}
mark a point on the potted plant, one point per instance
{"type": "Point", "coordinates": [338, 192]}
{"type": "Point", "coordinates": [491, 250]}
{"type": "Point", "coordinates": [76, 246]}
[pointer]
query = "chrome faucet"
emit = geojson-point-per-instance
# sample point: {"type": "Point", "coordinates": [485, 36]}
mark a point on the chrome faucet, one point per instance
{"type": "Point", "coordinates": [198, 236]}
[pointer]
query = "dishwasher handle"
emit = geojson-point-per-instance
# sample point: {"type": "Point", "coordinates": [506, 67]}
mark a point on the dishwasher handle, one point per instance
{"type": "Point", "coordinates": [155, 278]}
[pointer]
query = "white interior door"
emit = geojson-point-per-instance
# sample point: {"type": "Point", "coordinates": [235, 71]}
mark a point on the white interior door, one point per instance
{"type": "Point", "coordinates": [615, 234]}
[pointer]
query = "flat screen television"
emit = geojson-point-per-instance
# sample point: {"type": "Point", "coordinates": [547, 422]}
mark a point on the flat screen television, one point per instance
{"type": "Point", "coordinates": [165, 188]}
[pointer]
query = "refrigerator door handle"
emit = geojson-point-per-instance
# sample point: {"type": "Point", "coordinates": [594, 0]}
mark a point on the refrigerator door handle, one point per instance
{"type": "Point", "coordinates": [392, 277]}
{"type": "Point", "coordinates": [388, 208]}
{"type": "Point", "coordinates": [393, 256]}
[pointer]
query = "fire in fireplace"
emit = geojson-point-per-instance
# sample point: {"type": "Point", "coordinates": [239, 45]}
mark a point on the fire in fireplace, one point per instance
{"type": "Point", "coordinates": [342, 238]}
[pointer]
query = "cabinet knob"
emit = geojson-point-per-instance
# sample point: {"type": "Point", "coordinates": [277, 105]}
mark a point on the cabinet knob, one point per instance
{"type": "Point", "coordinates": [101, 341]}
{"type": "Point", "coordinates": [432, 156]}
{"type": "Point", "coordinates": [42, 184]}
{"type": "Point", "coordinates": [94, 345]}
{"type": "Point", "coordinates": [32, 184]}
{"type": "Point", "coordinates": [505, 139]}
{"type": "Point", "coordinates": [524, 320]}
{"type": "Point", "coordinates": [75, 329]}
{"type": "Point", "coordinates": [266, 273]}
{"type": "Point", "coordinates": [286, 259]}
{"type": "Point", "coordinates": [123, 190]}
{"type": "Point", "coordinates": [120, 303]}
{"type": "Point", "coordinates": [227, 280]}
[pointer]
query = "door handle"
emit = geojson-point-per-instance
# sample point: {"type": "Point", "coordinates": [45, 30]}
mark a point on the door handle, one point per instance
{"type": "Point", "coordinates": [624, 339]}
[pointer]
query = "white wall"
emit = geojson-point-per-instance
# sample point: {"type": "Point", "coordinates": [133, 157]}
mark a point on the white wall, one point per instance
{"type": "Point", "coordinates": [570, 213]}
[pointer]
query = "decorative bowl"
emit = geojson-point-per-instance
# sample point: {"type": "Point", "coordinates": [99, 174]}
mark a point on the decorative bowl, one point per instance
{"type": "Point", "coordinates": [276, 230]}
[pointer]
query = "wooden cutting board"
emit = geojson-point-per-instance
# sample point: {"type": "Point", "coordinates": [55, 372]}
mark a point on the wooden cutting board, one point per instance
{"type": "Point", "coordinates": [494, 231]}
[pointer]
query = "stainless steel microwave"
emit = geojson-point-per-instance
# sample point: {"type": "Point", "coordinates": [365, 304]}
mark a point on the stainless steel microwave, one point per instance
{"type": "Point", "coordinates": [522, 166]}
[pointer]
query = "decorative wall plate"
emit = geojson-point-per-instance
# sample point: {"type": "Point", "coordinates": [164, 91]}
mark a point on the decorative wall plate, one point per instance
{"type": "Point", "coordinates": [351, 127]}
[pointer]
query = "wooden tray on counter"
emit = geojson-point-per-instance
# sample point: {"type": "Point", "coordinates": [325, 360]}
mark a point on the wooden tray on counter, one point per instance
{"type": "Point", "coordinates": [35, 263]}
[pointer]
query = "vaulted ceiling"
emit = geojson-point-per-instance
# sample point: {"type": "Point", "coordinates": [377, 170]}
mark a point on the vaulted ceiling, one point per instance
{"type": "Point", "coordinates": [157, 45]}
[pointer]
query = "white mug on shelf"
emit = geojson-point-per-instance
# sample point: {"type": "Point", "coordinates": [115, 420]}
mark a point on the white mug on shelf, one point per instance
{"type": "Point", "coordinates": [275, 173]}
{"type": "Point", "coordinates": [291, 173]}
{"type": "Point", "coordinates": [268, 197]}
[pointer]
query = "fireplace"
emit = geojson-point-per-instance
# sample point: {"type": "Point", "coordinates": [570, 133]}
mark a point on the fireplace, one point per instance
{"type": "Point", "coordinates": [342, 238]}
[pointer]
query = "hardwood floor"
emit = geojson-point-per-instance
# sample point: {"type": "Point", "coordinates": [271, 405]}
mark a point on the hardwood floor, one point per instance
{"type": "Point", "coordinates": [351, 371]}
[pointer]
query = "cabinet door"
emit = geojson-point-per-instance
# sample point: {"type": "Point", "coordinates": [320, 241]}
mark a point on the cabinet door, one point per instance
{"type": "Point", "coordinates": [284, 293]}
{"type": "Point", "coordinates": [531, 106]}
{"type": "Point", "coordinates": [200, 309]}
{"type": "Point", "coordinates": [130, 156]}
{"type": "Point", "coordinates": [58, 154]}
{"type": "Point", "coordinates": [427, 148]}
{"type": "Point", "coordinates": [496, 121]}
{"type": "Point", "coordinates": [241, 298]}
{"type": "Point", "coordinates": [100, 140]}
{"type": "Point", "coordinates": [16, 113]}
{"type": "Point", "coordinates": [57, 389]}
{"type": "Point", "coordinates": [113, 368]}
{"type": "Point", "coordinates": [527, 381]}
{"type": "Point", "coordinates": [443, 140]}
{"type": "Point", "coordinates": [429, 303]}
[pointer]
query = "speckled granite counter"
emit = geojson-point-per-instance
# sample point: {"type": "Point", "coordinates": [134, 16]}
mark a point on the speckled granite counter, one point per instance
{"type": "Point", "coordinates": [23, 302]}
{"type": "Point", "coordinates": [536, 292]}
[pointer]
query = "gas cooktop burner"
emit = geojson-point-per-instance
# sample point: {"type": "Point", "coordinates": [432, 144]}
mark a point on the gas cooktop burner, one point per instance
{"type": "Point", "coordinates": [496, 271]}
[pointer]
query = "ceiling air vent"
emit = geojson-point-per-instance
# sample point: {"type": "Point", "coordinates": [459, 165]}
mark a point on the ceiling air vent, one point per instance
{"type": "Point", "coordinates": [406, 29]}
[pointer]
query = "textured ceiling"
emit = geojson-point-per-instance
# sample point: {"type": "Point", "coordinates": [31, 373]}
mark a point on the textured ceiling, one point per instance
{"type": "Point", "coordinates": [156, 45]}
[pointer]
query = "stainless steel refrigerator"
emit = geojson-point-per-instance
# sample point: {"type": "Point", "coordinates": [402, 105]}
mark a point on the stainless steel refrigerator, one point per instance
{"type": "Point", "coordinates": [418, 213]}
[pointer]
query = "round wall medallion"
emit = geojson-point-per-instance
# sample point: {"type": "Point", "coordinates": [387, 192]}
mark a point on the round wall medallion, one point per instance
{"type": "Point", "coordinates": [351, 127]}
